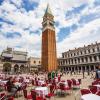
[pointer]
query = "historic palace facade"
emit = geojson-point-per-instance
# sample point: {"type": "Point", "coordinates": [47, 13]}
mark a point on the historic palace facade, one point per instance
{"type": "Point", "coordinates": [85, 58]}
{"type": "Point", "coordinates": [34, 63]}
{"type": "Point", "coordinates": [49, 56]}
{"type": "Point", "coordinates": [13, 61]}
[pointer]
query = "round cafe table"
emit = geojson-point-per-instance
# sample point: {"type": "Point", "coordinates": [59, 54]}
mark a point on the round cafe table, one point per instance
{"type": "Point", "coordinates": [42, 90]}
{"type": "Point", "coordinates": [98, 87]}
{"type": "Point", "coordinates": [90, 97]}
{"type": "Point", "coordinates": [41, 82]}
{"type": "Point", "coordinates": [17, 84]}
{"type": "Point", "coordinates": [3, 82]}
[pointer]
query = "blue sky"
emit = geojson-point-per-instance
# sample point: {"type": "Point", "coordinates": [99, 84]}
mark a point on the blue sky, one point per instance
{"type": "Point", "coordinates": [77, 23]}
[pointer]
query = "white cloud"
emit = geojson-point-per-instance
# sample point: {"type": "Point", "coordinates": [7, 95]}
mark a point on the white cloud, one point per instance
{"type": "Point", "coordinates": [32, 21]}
{"type": "Point", "coordinates": [82, 36]}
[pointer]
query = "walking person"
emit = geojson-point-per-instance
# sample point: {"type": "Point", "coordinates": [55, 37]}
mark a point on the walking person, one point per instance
{"type": "Point", "coordinates": [97, 76]}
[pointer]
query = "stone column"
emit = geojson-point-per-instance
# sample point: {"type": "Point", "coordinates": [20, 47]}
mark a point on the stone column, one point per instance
{"type": "Point", "coordinates": [84, 60]}
{"type": "Point", "coordinates": [81, 68]}
{"type": "Point", "coordinates": [88, 59]}
{"type": "Point", "coordinates": [92, 59]}
{"type": "Point", "coordinates": [12, 69]}
{"type": "Point", "coordinates": [97, 57]}
{"type": "Point", "coordinates": [89, 68]}
{"type": "Point", "coordinates": [64, 62]}
{"type": "Point", "coordinates": [73, 61]}
{"type": "Point", "coordinates": [94, 67]}
{"type": "Point", "coordinates": [80, 60]}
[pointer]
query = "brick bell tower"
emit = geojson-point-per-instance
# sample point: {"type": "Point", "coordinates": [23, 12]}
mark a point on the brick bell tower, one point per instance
{"type": "Point", "coordinates": [49, 56]}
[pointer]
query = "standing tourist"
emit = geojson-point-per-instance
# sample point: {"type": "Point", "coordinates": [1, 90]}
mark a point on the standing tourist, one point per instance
{"type": "Point", "coordinates": [98, 73]}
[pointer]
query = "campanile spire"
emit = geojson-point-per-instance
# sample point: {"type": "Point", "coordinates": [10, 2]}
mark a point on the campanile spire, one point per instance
{"type": "Point", "coordinates": [48, 10]}
{"type": "Point", "coordinates": [49, 59]}
{"type": "Point", "coordinates": [48, 19]}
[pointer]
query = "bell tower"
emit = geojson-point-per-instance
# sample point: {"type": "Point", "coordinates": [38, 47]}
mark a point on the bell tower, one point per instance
{"type": "Point", "coordinates": [49, 56]}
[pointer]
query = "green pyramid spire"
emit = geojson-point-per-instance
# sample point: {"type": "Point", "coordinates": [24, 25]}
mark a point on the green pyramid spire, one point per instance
{"type": "Point", "coordinates": [48, 10]}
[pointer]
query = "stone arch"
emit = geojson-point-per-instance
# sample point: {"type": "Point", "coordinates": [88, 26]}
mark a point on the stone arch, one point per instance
{"type": "Point", "coordinates": [83, 68]}
{"type": "Point", "coordinates": [7, 67]}
{"type": "Point", "coordinates": [69, 68]}
{"type": "Point", "coordinates": [16, 68]}
{"type": "Point", "coordinates": [22, 68]}
{"type": "Point", "coordinates": [87, 68]}
{"type": "Point", "coordinates": [92, 67]}
{"type": "Point", "coordinates": [80, 68]}
{"type": "Point", "coordinates": [76, 68]}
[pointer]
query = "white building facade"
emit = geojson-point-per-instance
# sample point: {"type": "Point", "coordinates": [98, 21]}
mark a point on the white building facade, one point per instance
{"type": "Point", "coordinates": [34, 63]}
{"type": "Point", "coordinates": [85, 58]}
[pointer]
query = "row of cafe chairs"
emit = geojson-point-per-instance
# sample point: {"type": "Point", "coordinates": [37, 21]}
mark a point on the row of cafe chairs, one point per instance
{"type": "Point", "coordinates": [92, 89]}
{"type": "Point", "coordinates": [95, 82]}
{"type": "Point", "coordinates": [33, 95]}
{"type": "Point", "coordinates": [3, 96]}
{"type": "Point", "coordinates": [87, 91]}
{"type": "Point", "coordinates": [71, 83]}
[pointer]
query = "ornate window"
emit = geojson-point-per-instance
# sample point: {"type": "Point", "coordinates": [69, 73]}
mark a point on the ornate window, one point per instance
{"type": "Point", "coordinates": [93, 50]}
{"type": "Point", "coordinates": [78, 60]}
{"type": "Point", "coordinates": [86, 59]}
{"type": "Point", "coordinates": [90, 59]}
{"type": "Point", "coordinates": [71, 54]}
{"type": "Point", "coordinates": [88, 50]}
{"type": "Point", "coordinates": [82, 59]}
{"type": "Point", "coordinates": [95, 58]}
{"type": "Point", "coordinates": [34, 62]}
{"type": "Point", "coordinates": [81, 52]}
